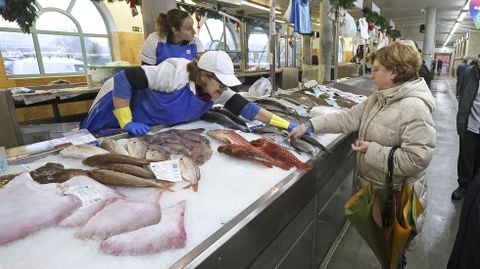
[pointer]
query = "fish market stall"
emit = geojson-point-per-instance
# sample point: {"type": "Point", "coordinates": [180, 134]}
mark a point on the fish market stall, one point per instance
{"type": "Point", "coordinates": [244, 214]}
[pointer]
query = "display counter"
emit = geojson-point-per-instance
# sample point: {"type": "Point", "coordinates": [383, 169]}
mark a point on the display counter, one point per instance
{"type": "Point", "coordinates": [244, 215]}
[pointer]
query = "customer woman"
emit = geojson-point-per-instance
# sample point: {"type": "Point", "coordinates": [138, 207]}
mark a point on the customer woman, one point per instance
{"type": "Point", "coordinates": [398, 113]}
{"type": "Point", "coordinates": [175, 91]}
{"type": "Point", "coordinates": [175, 38]}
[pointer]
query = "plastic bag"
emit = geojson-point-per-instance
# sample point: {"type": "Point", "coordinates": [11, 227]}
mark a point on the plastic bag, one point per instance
{"type": "Point", "coordinates": [348, 28]}
{"type": "Point", "coordinates": [261, 87]}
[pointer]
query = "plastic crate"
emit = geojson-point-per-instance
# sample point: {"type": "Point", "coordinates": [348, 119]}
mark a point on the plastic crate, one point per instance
{"type": "Point", "coordinates": [43, 132]}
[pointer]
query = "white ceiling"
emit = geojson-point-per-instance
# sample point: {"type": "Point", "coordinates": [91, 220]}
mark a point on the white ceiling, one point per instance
{"type": "Point", "coordinates": [407, 15]}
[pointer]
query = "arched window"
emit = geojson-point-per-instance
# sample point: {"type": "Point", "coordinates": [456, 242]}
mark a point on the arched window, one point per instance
{"type": "Point", "coordinates": [211, 35]}
{"type": "Point", "coordinates": [258, 49]}
{"type": "Point", "coordinates": [67, 36]}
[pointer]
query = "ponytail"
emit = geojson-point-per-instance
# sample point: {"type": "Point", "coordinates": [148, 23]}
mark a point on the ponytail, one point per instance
{"type": "Point", "coordinates": [162, 25]}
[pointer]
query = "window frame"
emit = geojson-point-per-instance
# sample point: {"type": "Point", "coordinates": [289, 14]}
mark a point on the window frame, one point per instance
{"type": "Point", "coordinates": [228, 28]}
{"type": "Point", "coordinates": [36, 45]}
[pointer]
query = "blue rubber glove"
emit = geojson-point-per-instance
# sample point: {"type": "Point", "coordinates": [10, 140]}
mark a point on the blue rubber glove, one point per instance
{"type": "Point", "coordinates": [292, 125]}
{"type": "Point", "coordinates": [136, 128]}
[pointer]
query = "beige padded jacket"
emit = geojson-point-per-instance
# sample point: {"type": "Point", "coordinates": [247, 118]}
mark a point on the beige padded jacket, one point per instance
{"type": "Point", "coordinates": [397, 116]}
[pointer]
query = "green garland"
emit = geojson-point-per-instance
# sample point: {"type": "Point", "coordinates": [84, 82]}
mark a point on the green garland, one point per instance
{"type": "Point", "coordinates": [379, 20]}
{"type": "Point", "coordinates": [203, 11]}
{"type": "Point", "coordinates": [345, 4]}
{"type": "Point", "coordinates": [137, 2]}
{"type": "Point", "coordinates": [24, 12]}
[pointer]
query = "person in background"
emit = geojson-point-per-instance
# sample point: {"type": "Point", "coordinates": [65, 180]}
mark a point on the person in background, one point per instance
{"type": "Point", "coordinates": [460, 71]}
{"type": "Point", "coordinates": [434, 67]}
{"type": "Point", "coordinates": [423, 72]}
{"type": "Point", "coordinates": [175, 38]}
{"type": "Point", "coordinates": [468, 129]}
{"type": "Point", "coordinates": [399, 113]}
{"type": "Point", "coordinates": [439, 66]}
{"type": "Point", "coordinates": [174, 91]}
{"type": "Point", "coordinates": [467, 241]}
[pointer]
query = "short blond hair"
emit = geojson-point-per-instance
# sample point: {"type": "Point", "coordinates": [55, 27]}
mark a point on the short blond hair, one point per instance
{"type": "Point", "coordinates": [404, 60]}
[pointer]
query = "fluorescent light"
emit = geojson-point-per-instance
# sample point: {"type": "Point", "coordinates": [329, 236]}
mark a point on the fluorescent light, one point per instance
{"type": "Point", "coordinates": [455, 26]}
{"type": "Point", "coordinates": [467, 6]}
{"type": "Point", "coordinates": [257, 6]}
{"type": "Point", "coordinates": [462, 16]}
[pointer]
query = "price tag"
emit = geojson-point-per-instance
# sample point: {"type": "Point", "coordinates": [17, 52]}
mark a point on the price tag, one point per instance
{"type": "Point", "coordinates": [301, 111]}
{"type": "Point", "coordinates": [3, 160]}
{"type": "Point", "coordinates": [87, 195]}
{"type": "Point", "coordinates": [80, 137]}
{"type": "Point", "coordinates": [167, 170]}
{"type": "Point", "coordinates": [317, 91]}
{"type": "Point", "coordinates": [332, 102]}
{"type": "Point", "coordinates": [252, 125]}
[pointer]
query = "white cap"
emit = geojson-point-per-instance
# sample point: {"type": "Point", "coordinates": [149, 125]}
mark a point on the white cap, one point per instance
{"type": "Point", "coordinates": [219, 63]}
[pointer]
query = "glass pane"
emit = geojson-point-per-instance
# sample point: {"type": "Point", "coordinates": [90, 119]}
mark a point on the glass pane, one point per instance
{"type": "Point", "coordinates": [216, 28]}
{"type": "Point", "coordinates": [282, 51]}
{"type": "Point", "coordinates": [98, 50]}
{"type": "Point", "coordinates": [18, 53]}
{"type": "Point", "coordinates": [61, 54]}
{"type": "Point", "coordinates": [61, 4]}
{"type": "Point", "coordinates": [54, 21]}
{"type": "Point", "coordinates": [7, 24]}
{"type": "Point", "coordinates": [258, 51]}
{"type": "Point", "coordinates": [205, 37]}
{"type": "Point", "coordinates": [93, 22]}
{"type": "Point", "coordinates": [230, 41]}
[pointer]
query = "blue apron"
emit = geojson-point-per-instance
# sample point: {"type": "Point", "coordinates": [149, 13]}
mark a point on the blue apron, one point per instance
{"type": "Point", "coordinates": [167, 50]}
{"type": "Point", "coordinates": [150, 107]}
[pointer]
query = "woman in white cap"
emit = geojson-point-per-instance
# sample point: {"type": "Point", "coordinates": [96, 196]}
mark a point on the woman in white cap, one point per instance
{"type": "Point", "coordinates": [172, 92]}
{"type": "Point", "coordinates": [175, 37]}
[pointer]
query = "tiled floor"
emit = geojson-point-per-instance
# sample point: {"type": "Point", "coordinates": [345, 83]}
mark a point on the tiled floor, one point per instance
{"type": "Point", "coordinates": [441, 220]}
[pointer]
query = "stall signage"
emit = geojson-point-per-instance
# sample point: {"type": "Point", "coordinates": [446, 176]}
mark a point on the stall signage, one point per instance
{"type": "Point", "coordinates": [167, 170]}
{"type": "Point", "coordinates": [475, 12]}
{"type": "Point", "coordinates": [80, 137]}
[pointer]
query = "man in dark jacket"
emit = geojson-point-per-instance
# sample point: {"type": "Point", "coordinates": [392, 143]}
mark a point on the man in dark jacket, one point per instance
{"type": "Point", "coordinates": [465, 252]}
{"type": "Point", "coordinates": [468, 128]}
{"type": "Point", "coordinates": [439, 66]}
{"type": "Point", "coordinates": [425, 74]}
{"type": "Point", "coordinates": [460, 71]}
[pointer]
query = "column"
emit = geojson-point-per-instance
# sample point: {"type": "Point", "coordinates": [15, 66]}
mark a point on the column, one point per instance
{"type": "Point", "coordinates": [150, 11]}
{"type": "Point", "coordinates": [429, 40]}
{"type": "Point", "coordinates": [326, 40]}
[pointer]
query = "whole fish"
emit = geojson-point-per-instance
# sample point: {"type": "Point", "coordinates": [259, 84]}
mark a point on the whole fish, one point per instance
{"type": "Point", "coordinates": [121, 179]}
{"type": "Point", "coordinates": [47, 173]}
{"type": "Point", "coordinates": [220, 118]}
{"type": "Point", "coordinates": [137, 149]}
{"type": "Point", "coordinates": [129, 169]}
{"type": "Point", "coordinates": [113, 158]}
{"type": "Point", "coordinates": [303, 146]}
{"type": "Point", "coordinates": [193, 135]}
{"type": "Point", "coordinates": [279, 153]}
{"type": "Point", "coordinates": [253, 154]}
{"type": "Point", "coordinates": [7, 178]}
{"type": "Point", "coordinates": [228, 136]}
{"type": "Point", "coordinates": [288, 98]}
{"type": "Point", "coordinates": [189, 172]}
{"type": "Point", "coordinates": [275, 103]}
{"type": "Point", "coordinates": [82, 151]}
{"type": "Point", "coordinates": [229, 114]}
{"type": "Point", "coordinates": [114, 147]}
{"type": "Point", "coordinates": [312, 141]}
{"type": "Point", "coordinates": [268, 130]}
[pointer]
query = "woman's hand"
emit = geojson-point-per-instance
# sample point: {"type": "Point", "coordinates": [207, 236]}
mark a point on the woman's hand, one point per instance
{"type": "Point", "coordinates": [297, 131]}
{"type": "Point", "coordinates": [360, 146]}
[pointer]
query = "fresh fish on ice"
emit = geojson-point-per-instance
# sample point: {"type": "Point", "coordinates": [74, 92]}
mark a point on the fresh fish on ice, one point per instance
{"type": "Point", "coordinates": [123, 216]}
{"type": "Point", "coordinates": [156, 156]}
{"type": "Point", "coordinates": [95, 196]}
{"type": "Point", "coordinates": [229, 136]}
{"type": "Point", "coordinates": [168, 234]}
{"type": "Point", "coordinates": [189, 172]}
{"type": "Point", "coordinates": [110, 177]}
{"type": "Point", "coordinates": [27, 207]}
{"type": "Point", "coordinates": [279, 153]}
{"type": "Point", "coordinates": [129, 169]}
{"type": "Point", "coordinates": [113, 158]}
{"type": "Point", "coordinates": [303, 146]}
{"type": "Point", "coordinates": [230, 114]}
{"type": "Point", "coordinates": [82, 151]}
{"type": "Point", "coordinates": [253, 154]}
{"type": "Point", "coordinates": [114, 147]}
{"type": "Point", "coordinates": [137, 149]}
{"type": "Point", "coordinates": [224, 120]}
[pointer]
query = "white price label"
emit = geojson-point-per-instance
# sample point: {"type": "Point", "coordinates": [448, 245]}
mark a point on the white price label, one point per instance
{"type": "Point", "coordinates": [332, 102]}
{"type": "Point", "coordinates": [87, 195]}
{"type": "Point", "coordinates": [317, 92]}
{"type": "Point", "coordinates": [251, 125]}
{"type": "Point", "coordinates": [80, 137]}
{"type": "Point", "coordinates": [167, 170]}
{"type": "Point", "coordinates": [301, 111]}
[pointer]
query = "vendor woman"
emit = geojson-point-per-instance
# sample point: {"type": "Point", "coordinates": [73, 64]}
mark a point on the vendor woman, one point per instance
{"type": "Point", "coordinates": [175, 38]}
{"type": "Point", "coordinates": [175, 91]}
